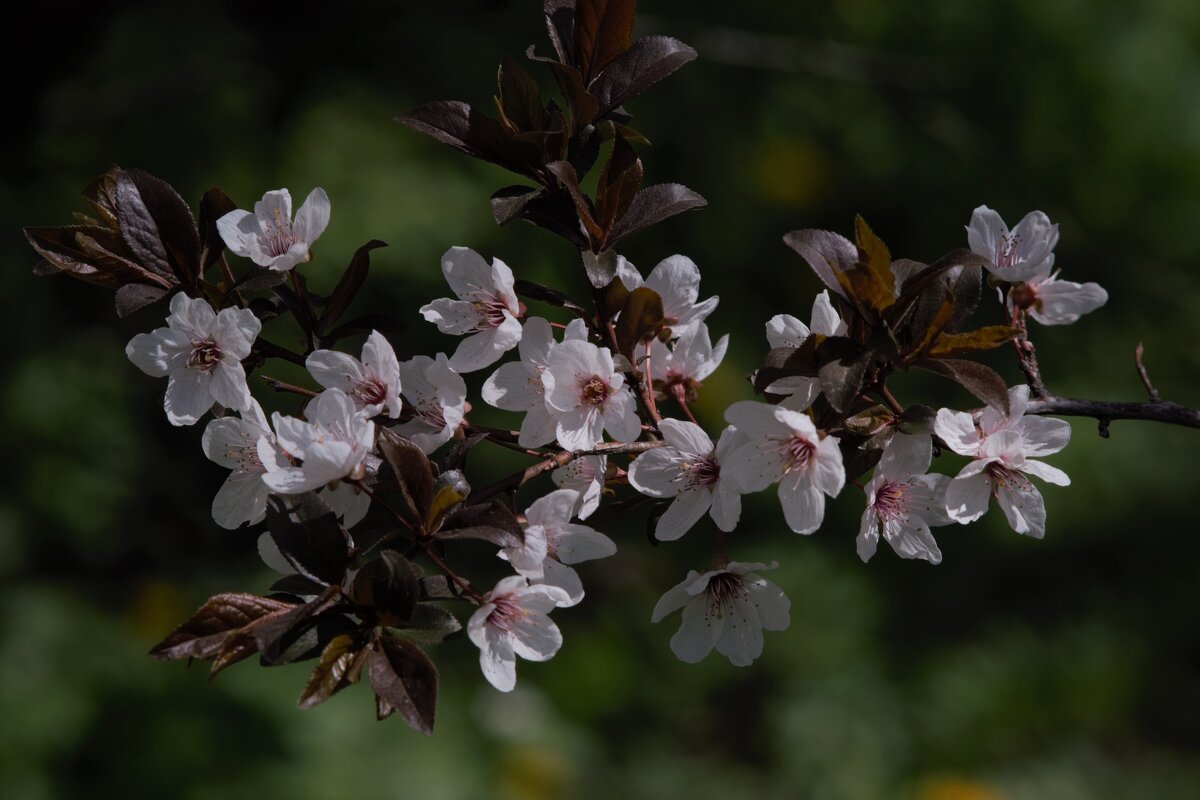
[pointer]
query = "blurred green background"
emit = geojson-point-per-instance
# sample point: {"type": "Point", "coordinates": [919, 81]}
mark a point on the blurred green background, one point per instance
{"type": "Point", "coordinates": [1066, 668]}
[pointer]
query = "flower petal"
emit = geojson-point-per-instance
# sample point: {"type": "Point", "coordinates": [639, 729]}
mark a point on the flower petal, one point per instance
{"type": "Point", "coordinates": [684, 512]}
{"type": "Point", "coordinates": [312, 217]}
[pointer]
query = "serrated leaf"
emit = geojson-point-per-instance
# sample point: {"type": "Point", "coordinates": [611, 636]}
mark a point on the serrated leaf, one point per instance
{"type": "Point", "coordinates": [641, 317]}
{"type": "Point", "coordinates": [986, 338]}
{"type": "Point", "coordinates": [160, 223]}
{"type": "Point", "coordinates": [646, 62]}
{"type": "Point", "coordinates": [203, 634]}
{"type": "Point", "coordinates": [286, 637]}
{"type": "Point", "coordinates": [348, 285]}
{"type": "Point", "coordinates": [509, 203]}
{"type": "Point", "coordinates": [520, 100]}
{"type": "Point", "coordinates": [826, 254]}
{"type": "Point", "coordinates": [135, 296]}
{"type": "Point", "coordinates": [404, 680]}
{"type": "Point", "coordinates": [619, 183]}
{"type": "Point", "coordinates": [412, 469]}
{"type": "Point", "coordinates": [603, 30]}
{"type": "Point", "coordinates": [331, 674]}
{"type": "Point", "coordinates": [490, 521]}
{"type": "Point", "coordinates": [651, 206]}
{"type": "Point", "coordinates": [844, 364]}
{"type": "Point", "coordinates": [308, 535]}
{"type": "Point", "coordinates": [981, 381]}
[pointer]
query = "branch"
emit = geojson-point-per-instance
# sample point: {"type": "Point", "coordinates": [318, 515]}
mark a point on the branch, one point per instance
{"type": "Point", "coordinates": [518, 479]}
{"type": "Point", "coordinates": [1107, 411]}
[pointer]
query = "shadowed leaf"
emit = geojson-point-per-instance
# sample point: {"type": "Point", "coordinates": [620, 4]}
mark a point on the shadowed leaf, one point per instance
{"type": "Point", "coordinates": [651, 206]}
{"type": "Point", "coordinates": [843, 367]}
{"type": "Point", "coordinates": [389, 584]}
{"type": "Point", "coordinates": [986, 338]}
{"type": "Point", "coordinates": [332, 673]}
{"type": "Point", "coordinates": [619, 183]}
{"type": "Point", "coordinates": [603, 31]}
{"type": "Point", "coordinates": [645, 63]}
{"type": "Point", "coordinates": [348, 285]}
{"type": "Point", "coordinates": [203, 634]}
{"type": "Point", "coordinates": [308, 535]}
{"type": "Point", "coordinates": [826, 253]}
{"type": "Point", "coordinates": [641, 317]}
{"type": "Point", "coordinates": [412, 469]}
{"type": "Point", "coordinates": [509, 203]}
{"type": "Point", "coordinates": [404, 680]}
{"type": "Point", "coordinates": [492, 521]}
{"type": "Point", "coordinates": [213, 205]}
{"type": "Point", "coordinates": [981, 381]}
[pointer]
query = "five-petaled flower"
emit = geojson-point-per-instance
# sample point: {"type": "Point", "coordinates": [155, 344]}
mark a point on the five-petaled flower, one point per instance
{"type": "Point", "coordinates": [269, 237]}
{"type": "Point", "coordinates": [688, 469]}
{"type": "Point", "coordinates": [487, 308]}
{"type": "Point", "coordinates": [333, 445]}
{"type": "Point", "coordinates": [1017, 255]}
{"type": "Point", "coordinates": [678, 372]}
{"type": "Point", "coordinates": [783, 445]}
{"type": "Point", "coordinates": [903, 501]}
{"type": "Point", "coordinates": [201, 352]}
{"type": "Point", "coordinates": [587, 396]}
{"type": "Point", "coordinates": [512, 621]}
{"type": "Point", "coordinates": [234, 444]}
{"type": "Point", "coordinates": [676, 280]}
{"type": "Point", "coordinates": [784, 330]}
{"type": "Point", "coordinates": [437, 396]}
{"type": "Point", "coordinates": [553, 543]}
{"type": "Point", "coordinates": [517, 385]}
{"type": "Point", "coordinates": [586, 475]}
{"type": "Point", "coordinates": [1003, 449]}
{"type": "Point", "coordinates": [727, 608]}
{"type": "Point", "coordinates": [373, 383]}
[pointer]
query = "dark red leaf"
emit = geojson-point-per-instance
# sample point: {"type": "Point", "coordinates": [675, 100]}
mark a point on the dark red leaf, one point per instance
{"type": "Point", "coordinates": [309, 536]}
{"type": "Point", "coordinates": [332, 673]}
{"type": "Point", "coordinates": [651, 206]}
{"type": "Point", "coordinates": [404, 680]}
{"type": "Point", "coordinates": [172, 221]}
{"type": "Point", "coordinates": [603, 31]}
{"type": "Point", "coordinates": [389, 584]}
{"type": "Point", "coordinates": [213, 205]}
{"type": "Point", "coordinates": [413, 471]}
{"type": "Point", "coordinates": [640, 319]}
{"type": "Point", "coordinates": [348, 285]}
{"type": "Point", "coordinates": [825, 252]}
{"type": "Point", "coordinates": [644, 64]}
{"type": "Point", "coordinates": [981, 381]}
{"type": "Point", "coordinates": [619, 183]}
{"type": "Point", "coordinates": [203, 634]}
{"type": "Point", "coordinates": [133, 296]}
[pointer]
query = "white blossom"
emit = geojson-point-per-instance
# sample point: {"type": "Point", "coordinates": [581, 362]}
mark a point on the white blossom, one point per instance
{"type": "Point", "coordinates": [586, 476]}
{"type": "Point", "coordinates": [517, 385]}
{"type": "Point", "coordinates": [726, 608]}
{"type": "Point", "coordinates": [688, 469]}
{"type": "Point", "coordinates": [487, 308]}
{"type": "Point", "coordinates": [587, 396]}
{"type": "Point", "coordinates": [678, 371]}
{"type": "Point", "coordinates": [1002, 449]}
{"type": "Point", "coordinates": [373, 383]}
{"type": "Point", "coordinates": [268, 237]}
{"type": "Point", "coordinates": [784, 330]}
{"type": "Point", "coordinates": [1017, 255]}
{"type": "Point", "coordinates": [903, 501]}
{"type": "Point", "coordinates": [437, 396]}
{"type": "Point", "coordinates": [233, 443]}
{"type": "Point", "coordinates": [511, 622]}
{"type": "Point", "coordinates": [677, 281]}
{"type": "Point", "coordinates": [334, 442]}
{"type": "Point", "coordinates": [1054, 302]}
{"type": "Point", "coordinates": [200, 351]}
{"type": "Point", "coordinates": [553, 543]}
{"type": "Point", "coordinates": [783, 445]}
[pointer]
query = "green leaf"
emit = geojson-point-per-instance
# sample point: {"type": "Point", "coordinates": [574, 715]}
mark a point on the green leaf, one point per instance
{"type": "Point", "coordinates": [404, 680]}
{"type": "Point", "coordinates": [641, 317]}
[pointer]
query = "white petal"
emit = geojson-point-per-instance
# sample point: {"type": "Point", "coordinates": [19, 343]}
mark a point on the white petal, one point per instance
{"type": "Point", "coordinates": [985, 232]}
{"type": "Point", "coordinates": [1046, 472]}
{"type": "Point", "coordinates": [753, 467]}
{"type": "Point", "coordinates": [537, 340]}
{"type": "Point", "coordinates": [754, 419]}
{"type": "Point", "coordinates": [538, 428]}
{"type": "Point", "coordinates": [726, 506]}
{"type": "Point", "coordinates": [620, 417]}
{"type": "Point", "coordinates": [826, 468]}
{"type": "Point", "coordinates": [656, 472]}
{"type": "Point", "coordinates": [160, 352]}
{"type": "Point", "coordinates": [466, 271]}
{"type": "Point", "coordinates": [228, 385]}
{"type": "Point", "coordinates": [235, 330]}
{"type": "Point", "coordinates": [967, 497]}
{"type": "Point", "coordinates": [697, 633]}
{"type": "Point", "coordinates": [379, 357]}
{"type": "Point", "coordinates": [312, 217]}
{"type": "Point", "coordinates": [1024, 507]}
{"type": "Point", "coordinates": [478, 350]}
{"type": "Point", "coordinates": [1064, 302]}
{"type": "Point", "coordinates": [803, 505]}
{"type": "Point", "coordinates": [192, 316]}
{"type": "Point", "coordinates": [497, 660]}
{"type": "Point", "coordinates": [565, 578]}
{"type": "Point", "coordinates": [455, 317]}
{"type": "Point", "coordinates": [741, 639]}
{"type": "Point", "coordinates": [554, 509]}
{"type": "Point", "coordinates": [684, 512]}
{"type": "Point", "coordinates": [677, 281]}
{"type": "Point", "coordinates": [580, 429]}
{"type": "Point", "coordinates": [686, 437]}
{"type": "Point", "coordinates": [225, 439]}
{"type": "Point", "coordinates": [906, 455]}
{"type": "Point", "coordinates": [784, 330]}
{"type": "Point", "coordinates": [1043, 436]}
{"type": "Point", "coordinates": [912, 539]}
{"type": "Point", "coordinates": [575, 544]}
{"type": "Point", "coordinates": [770, 603]}
{"type": "Point", "coordinates": [334, 370]}
{"type": "Point", "coordinates": [230, 226]}
{"type": "Point", "coordinates": [673, 599]}
{"type": "Point", "coordinates": [241, 498]}
{"type": "Point", "coordinates": [825, 319]}
{"type": "Point", "coordinates": [188, 397]}
{"type": "Point", "coordinates": [535, 637]}
{"type": "Point", "coordinates": [868, 534]}
{"type": "Point", "coordinates": [957, 430]}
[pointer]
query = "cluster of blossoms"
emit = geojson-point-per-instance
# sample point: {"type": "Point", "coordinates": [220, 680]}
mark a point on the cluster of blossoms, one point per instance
{"type": "Point", "coordinates": [574, 392]}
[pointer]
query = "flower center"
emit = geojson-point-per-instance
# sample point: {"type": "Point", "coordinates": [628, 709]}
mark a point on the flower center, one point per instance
{"type": "Point", "coordinates": [889, 500]}
{"type": "Point", "coordinates": [797, 452]}
{"type": "Point", "coordinates": [1002, 476]}
{"type": "Point", "coordinates": [432, 415]}
{"type": "Point", "coordinates": [206, 354]}
{"type": "Point", "coordinates": [1006, 250]}
{"type": "Point", "coordinates": [277, 236]}
{"type": "Point", "coordinates": [702, 472]}
{"type": "Point", "coordinates": [506, 612]}
{"type": "Point", "coordinates": [371, 391]}
{"type": "Point", "coordinates": [492, 311]}
{"type": "Point", "coordinates": [593, 391]}
{"type": "Point", "coordinates": [723, 588]}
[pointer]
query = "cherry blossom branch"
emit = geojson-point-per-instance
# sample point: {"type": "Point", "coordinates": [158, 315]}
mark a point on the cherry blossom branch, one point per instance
{"type": "Point", "coordinates": [518, 479]}
{"type": "Point", "coordinates": [1145, 376]}
{"type": "Point", "coordinates": [1027, 357]}
{"type": "Point", "coordinates": [1106, 411]}
{"type": "Point", "coordinates": [648, 388]}
{"type": "Point", "coordinates": [272, 350]}
{"type": "Point", "coordinates": [282, 386]}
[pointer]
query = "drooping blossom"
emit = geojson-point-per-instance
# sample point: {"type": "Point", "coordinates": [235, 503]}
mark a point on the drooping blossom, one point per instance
{"type": "Point", "coordinates": [679, 370]}
{"type": "Point", "coordinates": [783, 445]}
{"type": "Point", "coordinates": [233, 443]}
{"type": "Point", "coordinates": [517, 385]}
{"type": "Point", "coordinates": [373, 383]}
{"type": "Point", "coordinates": [200, 351]}
{"type": "Point", "coordinates": [332, 443]}
{"type": "Point", "coordinates": [511, 622]}
{"type": "Point", "coordinates": [688, 469]}
{"type": "Point", "coordinates": [903, 501]}
{"type": "Point", "coordinates": [1017, 255]}
{"type": "Point", "coordinates": [487, 308]}
{"type": "Point", "coordinates": [587, 396]}
{"type": "Point", "coordinates": [726, 608]}
{"type": "Point", "coordinates": [586, 476]}
{"type": "Point", "coordinates": [1002, 449]}
{"type": "Point", "coordinates": [676, 279]}
{"type": "Point", "coordinates": [437, 395]}
{"type": "Point", "coordinates": [784, 330]}
{"type": "Point", "coordinates": [269, 237]}
{"type": "Point", "coordinates": [1053, 302]}
{"type": "Point", "coordinates": [553, 543]}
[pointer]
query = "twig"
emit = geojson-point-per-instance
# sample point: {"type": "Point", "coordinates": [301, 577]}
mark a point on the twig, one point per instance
{"type": "Point", "coordinates": [282, 386]}
{"type": "Point", "coordinates": [890, 399]}
{"type": "Point", "coordinates": [648, 387]}
{"type": "Point", "coordinates": [1145, 376]}
{"type": "Point", "coordinates": [518, 479]}
{"type": "Point", "coordinates": [1106, 411]}
{"type": "Point", "coordinates": [272, 350]}
{"type": "Point", "coordinates": [231, 282]}
{"type": "Point", "coordinates": [1027, 357]}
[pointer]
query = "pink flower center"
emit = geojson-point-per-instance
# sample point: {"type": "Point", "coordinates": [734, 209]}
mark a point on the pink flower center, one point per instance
{"type": "Point", "coordinates": [701, 472]}
{"type": "Point", "coordinates": [723, 588]}
{"type": "Point", "coordinates": [432, 414]}
{"type": "Point", "coordinates": [277, 236]}
{"type": "Point", "coordinates": [205, 355]}
{"type": "Point", "coordinates": [889, 501]}
{"type": "Point", "coordinates": [593, 391]}
{"type": "Point", "coordinates": [1002, 476]}
{"type": "Point", "coordinates": [371, 390]}
{"type": "Point", "coordinates": [797, 453]}
{"type": "Point", "coordinates": [506, 611]}
{"type": "Point", "coordinates": [1006, 250]}
{"type": "Point", "coordinates": [492, 310]}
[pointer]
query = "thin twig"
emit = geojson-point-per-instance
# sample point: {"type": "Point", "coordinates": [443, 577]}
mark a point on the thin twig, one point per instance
{"type": "Point", "coordinates": [1145, 376]}
{"type": "Point", "coordinates": [230, 281]}
{"type": "Point", "coordinates": [283, 386]}
{"type": "Point", "coordinates": [1027, 357]}
{"type": "Point", "coordinates": [518, 479]}
{"type": "Point", "coordinates": [1106, 411]}
{"type": "Point", "coordinates": [890, 399]}
{"type": "Point", "coordinates": [272, 350]}
{"type": "Point", "coordinates": [648, 387]}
